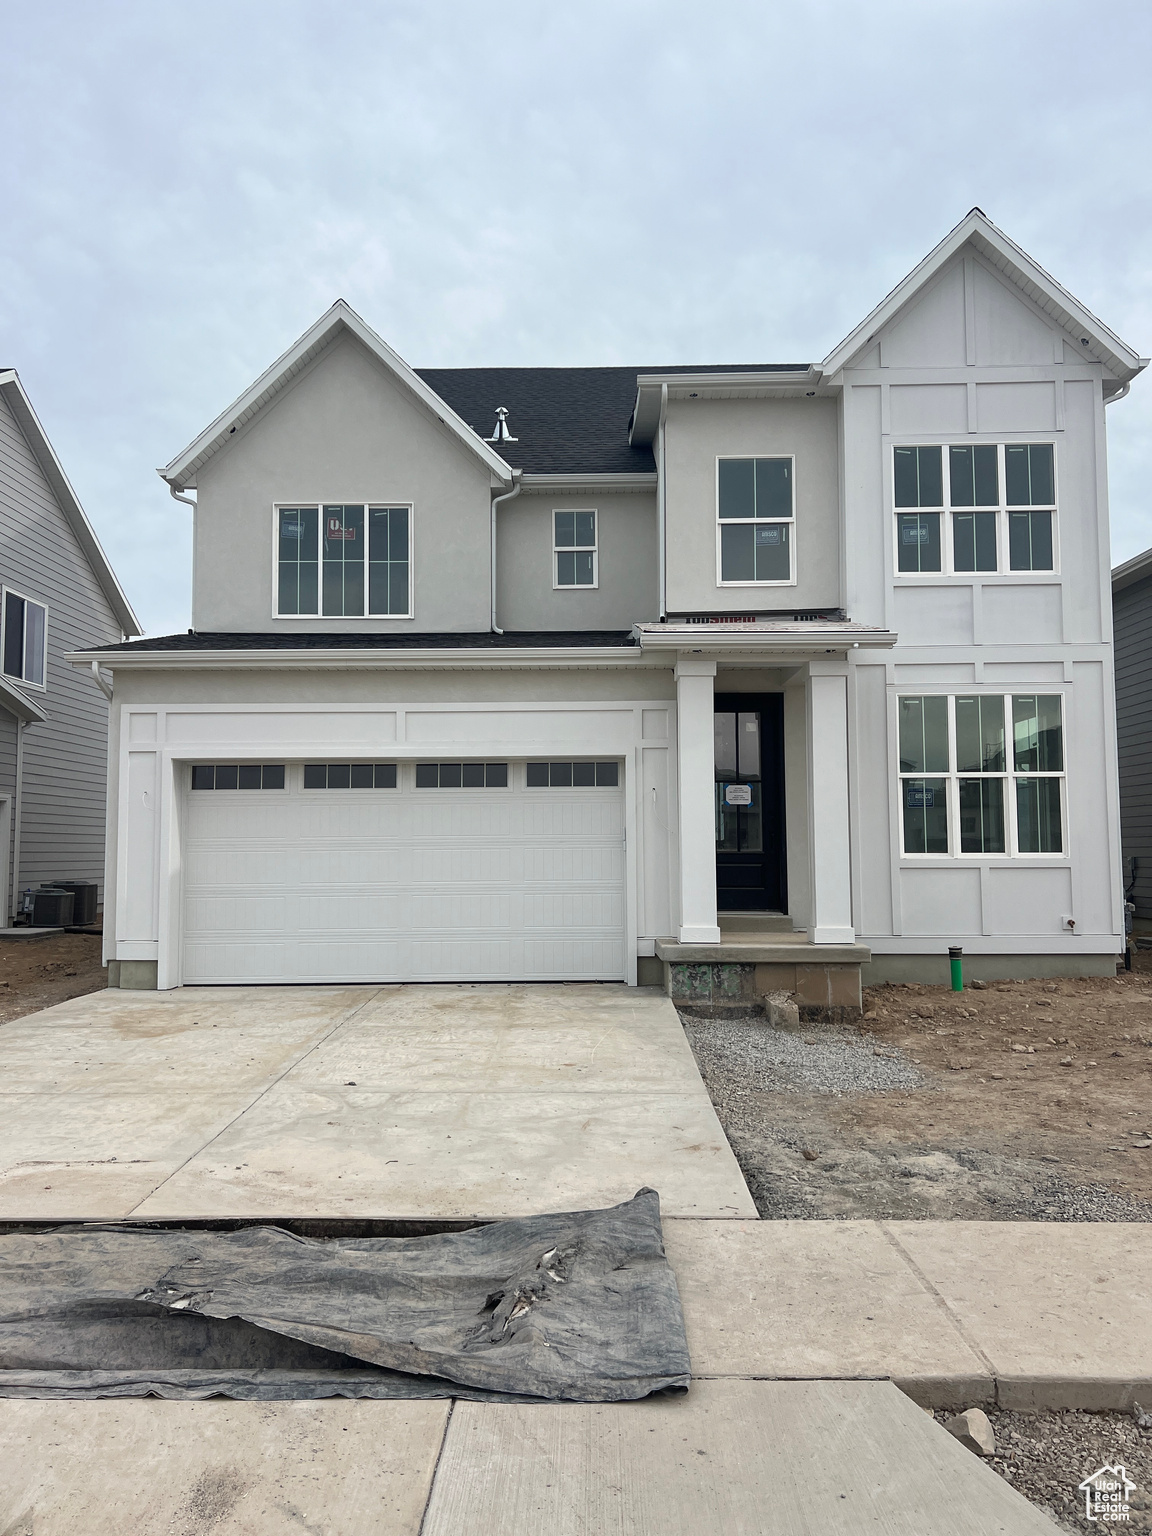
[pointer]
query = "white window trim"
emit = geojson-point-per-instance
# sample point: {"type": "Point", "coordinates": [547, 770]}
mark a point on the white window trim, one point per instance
{"type": "Point", "coordinates": [377, 501]}
{"type": "Point", "coordinates": [594, 548]}
{"type": "Point", "coordinates": [738, 522]}
{"type": "Point", "coordinates": [1012, 853]}
{"type": "Point", "coordinates": [1003, 572]}
{"type": "Point", "coordinates": [23, 682]}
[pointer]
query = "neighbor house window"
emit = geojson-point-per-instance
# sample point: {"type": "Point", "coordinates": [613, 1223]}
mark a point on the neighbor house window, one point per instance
{"type": "Point", "coordinates": [981, 773]}
{"type": "Point", "coordinates": [238, 776]}
{"type": "Point", "coordinates": [343, 560]}
{"type": "Point", "coordinates": [756, 515]}
{"type": "Point", "coordinates": [974, 507]}
{"type": "Point", "coordinates": [574, 548]}
{"type": "Point", "coordinates": [25, 639]}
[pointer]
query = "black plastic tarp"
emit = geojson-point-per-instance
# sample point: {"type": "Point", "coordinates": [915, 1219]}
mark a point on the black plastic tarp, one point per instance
{"type": "Point", "coordinates": [579, 1307]}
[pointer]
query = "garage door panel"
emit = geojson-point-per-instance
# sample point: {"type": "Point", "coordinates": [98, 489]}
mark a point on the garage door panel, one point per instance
{"type": "Point", "coordinates": [404, 885]}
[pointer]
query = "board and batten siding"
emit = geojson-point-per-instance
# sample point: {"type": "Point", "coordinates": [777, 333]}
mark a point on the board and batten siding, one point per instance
{"type": "Point", "coordinates": [65, 756]}
{"type": "Point", "coordinates": [1132, 629]}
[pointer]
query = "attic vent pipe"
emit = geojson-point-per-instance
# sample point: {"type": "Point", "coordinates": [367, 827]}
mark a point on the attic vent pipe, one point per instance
{"type": "Point", "coordinates": [501, 433]}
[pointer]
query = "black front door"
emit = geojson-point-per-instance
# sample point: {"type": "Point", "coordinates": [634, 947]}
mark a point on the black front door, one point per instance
{"type": "Point", "coordinates": [750, 872]}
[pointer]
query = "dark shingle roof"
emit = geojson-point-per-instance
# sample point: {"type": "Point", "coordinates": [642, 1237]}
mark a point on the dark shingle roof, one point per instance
{"type": "Point", "coordinates": [309, 640]}
{"type": "Point", "coordinates": [568, 421]}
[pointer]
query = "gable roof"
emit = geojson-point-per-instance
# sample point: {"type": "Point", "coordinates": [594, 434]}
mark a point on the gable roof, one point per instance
{"type": "Point", "coordinates": [16, 398]}
{"type": "Point", "coordinates": [181, 472]}
{"type": "Point", "coordinates": [977, 229]}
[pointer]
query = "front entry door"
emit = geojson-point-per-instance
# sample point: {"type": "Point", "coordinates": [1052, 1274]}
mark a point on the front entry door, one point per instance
{"type": "Point", "coordinates": [750, 872]}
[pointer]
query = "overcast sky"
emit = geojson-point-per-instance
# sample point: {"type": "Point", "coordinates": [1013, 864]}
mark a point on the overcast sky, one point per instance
{"type": "Point", "coordinates": [184, 187]}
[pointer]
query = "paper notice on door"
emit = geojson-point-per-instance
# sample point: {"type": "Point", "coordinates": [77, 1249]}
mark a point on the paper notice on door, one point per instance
{"type": "Point", "coordinates": [737, 794]}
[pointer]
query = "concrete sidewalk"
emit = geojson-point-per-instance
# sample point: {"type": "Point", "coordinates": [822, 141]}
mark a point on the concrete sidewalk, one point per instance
{"type": "Point", "coordinates": [732, 1458]}
{"type": "Point", "coordinates": [1021, 1314]}
{"type": "Point", "coordinates": [414, 1101]}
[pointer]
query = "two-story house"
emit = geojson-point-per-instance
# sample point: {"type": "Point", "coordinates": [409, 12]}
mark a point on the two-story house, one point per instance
{"type": "Point", "coordinates": [57, 592]}
{"type": "Point", "coordinates": [734, 676]}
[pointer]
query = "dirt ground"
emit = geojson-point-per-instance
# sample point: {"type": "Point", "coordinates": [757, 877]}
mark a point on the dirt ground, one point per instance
{"type": "Point", "coordinates": [1014, 1101]}
{"type": "Point", "coordinates": [35, 973]}
{"type": "Point", "coordinates": [1045, 1456]}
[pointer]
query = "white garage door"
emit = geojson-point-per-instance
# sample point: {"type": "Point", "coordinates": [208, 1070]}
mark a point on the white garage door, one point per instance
{"type": "Point", "coordinates": [410, 872]}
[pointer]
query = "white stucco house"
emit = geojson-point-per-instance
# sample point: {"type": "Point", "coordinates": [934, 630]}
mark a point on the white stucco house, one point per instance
{"type": "Point", "coordinates": [731, 677]}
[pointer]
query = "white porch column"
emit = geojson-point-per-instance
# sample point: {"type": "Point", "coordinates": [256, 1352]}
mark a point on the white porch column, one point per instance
{"type": "Point", "coordinates": [829, 849]}
{"type": "Point", "coordinates": [696, 763]}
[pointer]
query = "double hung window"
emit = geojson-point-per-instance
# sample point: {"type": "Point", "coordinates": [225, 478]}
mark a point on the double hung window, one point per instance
{"type": "Point", "coordinates": [343, 560]}
{"type": "Point", "coordinates": [25, 639]}
{"type": "Point", "coordinates": [981, 774]}
{"type": "Point", "coordinates": [756, 517]}
{"type": "Point", "coordinates": [972, 507]}
{"type": "Point", "coordinates": [574, 549]}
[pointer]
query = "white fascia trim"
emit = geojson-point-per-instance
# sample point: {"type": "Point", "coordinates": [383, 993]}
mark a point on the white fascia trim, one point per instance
{"type": "Point", "coordinates": [790, 639]}
{"type": "Point", "coordinates": [181, 472]}
{"type": "Point", "coordinates": [26, 419]}
{"type": "Point", "coordinates": [1132, 571]}
{"type": "Point", "coordinates": [1018, 265]}
{"type": "Point", "coordinates": [18, 704]}
{"type": "Point", "coordinates": [645, 481]}
{"type": "Point", "coordinates": [650, 389]}
{"type": "Point", "coordinates": [586, 657]}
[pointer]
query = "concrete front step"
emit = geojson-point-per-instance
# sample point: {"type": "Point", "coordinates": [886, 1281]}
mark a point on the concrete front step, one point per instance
{"type": "Point", "coordinates": [741, 970]}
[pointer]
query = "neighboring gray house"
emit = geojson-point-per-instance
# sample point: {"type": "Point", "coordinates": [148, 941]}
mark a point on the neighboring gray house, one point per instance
{"type": "Point", "coordinates": [58, 593]}
{"type": "Point", "coordinates": [740, 677]}
{"type": "Point", "coordinates": [1132, 629]}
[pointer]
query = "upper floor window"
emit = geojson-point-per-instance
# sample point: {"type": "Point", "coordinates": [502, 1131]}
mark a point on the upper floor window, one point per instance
{"type": "Point", "coordinates": [25, 638]}
{"type": "Point", "coordinates": [343, 561]}
{"type": "Point", "coordinates": [574, 549]}
{"type": "Point", "coordinates": [755, 514]}
{"type": "Point", "coordinates": [994, 509]}
{"type": "Point", "coordinates": [981, 773]}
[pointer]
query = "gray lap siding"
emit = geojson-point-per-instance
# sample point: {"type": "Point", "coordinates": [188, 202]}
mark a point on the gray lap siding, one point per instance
{"type": "Point", "coordinates": [65, 756]}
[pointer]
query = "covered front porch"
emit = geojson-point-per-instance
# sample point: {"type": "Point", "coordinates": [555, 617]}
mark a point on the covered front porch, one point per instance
{"type": "Point", "coordinates": [742, 934]}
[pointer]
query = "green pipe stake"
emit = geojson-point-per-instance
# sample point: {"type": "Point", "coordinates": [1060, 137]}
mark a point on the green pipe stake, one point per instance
{"type": "Point", "coordinates": [957, 967]}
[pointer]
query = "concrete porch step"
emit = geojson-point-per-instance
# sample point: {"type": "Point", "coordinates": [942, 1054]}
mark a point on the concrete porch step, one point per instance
{"type": "Point", "coordinates": [762, 949]}
{"type": "Point", "coordinates": [754, 922]}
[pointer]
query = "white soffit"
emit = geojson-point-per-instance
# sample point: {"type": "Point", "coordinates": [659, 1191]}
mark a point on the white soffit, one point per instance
{"type": "Point", "coordinates": [1007, 257]}
{"type": "Point", "coordinates": [51, 468]}
{"type": "Point", "coordinates": [181, 472]}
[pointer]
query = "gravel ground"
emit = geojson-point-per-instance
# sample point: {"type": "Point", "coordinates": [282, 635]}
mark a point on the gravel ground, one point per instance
{"type": "Point", "coordinates": [840, 1123]}
{"type": "Point", "coordinates": [1045, 1456]}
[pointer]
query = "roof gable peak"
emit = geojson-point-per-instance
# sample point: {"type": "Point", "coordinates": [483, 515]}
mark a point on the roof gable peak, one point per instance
{"type": "Point", "coordinates": [1012, 262]}
{"type": "Point", "coordinates": [338, 319]}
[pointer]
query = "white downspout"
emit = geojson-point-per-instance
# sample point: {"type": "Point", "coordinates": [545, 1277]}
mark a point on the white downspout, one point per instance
{"type": "Point", "coordinates": [507, 496]}
{"type": "Point", "coordinates": [104, 687]}
{"type": "Point", "coordinates": [21, 726]}
{"type": "Point", "coordinates": [188, 502]}
{"type": "Point", "coordinates": [661, 504]}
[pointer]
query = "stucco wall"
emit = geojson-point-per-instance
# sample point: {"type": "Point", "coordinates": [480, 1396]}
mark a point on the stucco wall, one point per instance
{"type": "Point", "coordinates": [697, 433]}
{"type": "Point", "coordinates": [343, 432]}
{"type": "Point", "coordinates": [627, 560]}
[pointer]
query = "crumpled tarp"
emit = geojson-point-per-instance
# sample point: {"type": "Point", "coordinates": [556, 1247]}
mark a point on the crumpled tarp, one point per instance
{"type": "Point", "coordinates": [580, 1307]}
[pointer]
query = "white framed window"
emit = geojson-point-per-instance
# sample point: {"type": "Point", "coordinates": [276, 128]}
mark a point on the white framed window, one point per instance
{"type": "Point", "coordinates": [755, 521]}
{"type": "Point", "coordinates": [981, 774]}
{"type": "Point", "coordinates": [574, 548]}
{"type": "Point", "coordinates": [25, 640]}
{"type": "Point", "coordinates": [974, 508]}
{"type": "Point", "coordinates": [343, 560]}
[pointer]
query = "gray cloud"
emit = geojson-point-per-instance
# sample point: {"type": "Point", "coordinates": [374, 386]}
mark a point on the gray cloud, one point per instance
{"type": "Point", "coordinates": [186, 187]}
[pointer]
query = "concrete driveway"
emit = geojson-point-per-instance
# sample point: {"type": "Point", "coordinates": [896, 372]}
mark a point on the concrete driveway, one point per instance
{"type": "Point", "coordinates": [396, 1101]}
